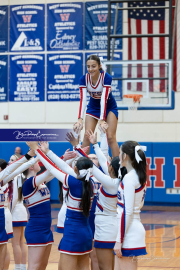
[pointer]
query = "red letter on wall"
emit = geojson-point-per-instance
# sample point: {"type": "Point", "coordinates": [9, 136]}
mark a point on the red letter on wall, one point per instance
{"type": "Point", "coordinates": [177, 172]}
{"type": "Point", "coordinates": [157, 172]}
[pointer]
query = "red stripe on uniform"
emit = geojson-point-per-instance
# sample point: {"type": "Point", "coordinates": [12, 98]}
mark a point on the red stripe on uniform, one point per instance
{"type": "Point", "coordinates": [122, 227]}
{"type": "Point", "coordinates": [26, 197]}
{"type": "Point", "coordinates": [81, 100]}
{"type": "Point", "coordinates": [105, 105]}
{"type": "Point", "coordinates": [47, 199]}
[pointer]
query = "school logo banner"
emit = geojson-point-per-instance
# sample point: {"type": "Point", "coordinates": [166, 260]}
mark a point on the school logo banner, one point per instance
{"type": "Point", "coordinates": [3, 28]}
{"type": "Point", "coordinates": [63, 73]}
{"type": "Point", "coordinates": [65, 26]}
{"type": "Point", "coordinates": [27, 28]}
{"type": "Point", "coordinates": [96, 25]}
{"type": "Point", "coordinates": [3, 78]}
{"type": "Point", "coordinates": [26, 78]}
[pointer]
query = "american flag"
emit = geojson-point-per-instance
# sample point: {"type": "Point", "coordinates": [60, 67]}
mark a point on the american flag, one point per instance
{"type": "Point", "coordinates": [150, 21]}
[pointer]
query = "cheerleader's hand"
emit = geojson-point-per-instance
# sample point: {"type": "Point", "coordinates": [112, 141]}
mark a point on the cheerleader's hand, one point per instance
{"type": "Point", "coordinates": [103, 125]}
{"type": "Point", "coordinates": [70, 138]}
{"type": "Point", "coordinates": [44, 147]}
{"type": "Point", "coordinates": [91, 136]}
{"type": "Point", "coordinates": [31, 153]}
{"type": "Point", "coordinates": [69, 154]}
{"type": "Point", "coordinates": [33, 145]}
{"type": "Point", "coordinates": [85, 149]}
{"type": "Point", "coordinates": [78, 126]}
{"type": "Point", "coordinates": [117, 249]}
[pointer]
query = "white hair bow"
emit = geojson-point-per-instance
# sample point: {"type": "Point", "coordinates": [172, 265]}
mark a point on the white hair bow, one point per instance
{"type": "Point", "coordinates": [19, 181]}
{"type": "Point", "coordinates": [86, 173]}
{"type": "Point", "coordinates": [102, 64]}
{"type": "Point", "coordinates": [119, 171]}
{"type": "Point", "coordinates": [137, 148]}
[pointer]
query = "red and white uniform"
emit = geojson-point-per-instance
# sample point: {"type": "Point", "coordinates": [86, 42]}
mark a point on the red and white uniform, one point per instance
{"type": "Point", "coordinates": [100, 91]}
{"type": "Point", "coordinates": [131, 232]}
{"type": "Point", "coordinates": [106, 209]}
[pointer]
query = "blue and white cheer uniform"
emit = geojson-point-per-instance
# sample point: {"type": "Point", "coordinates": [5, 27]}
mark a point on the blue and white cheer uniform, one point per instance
{"type": "Point", "coordinates": [101, 100]}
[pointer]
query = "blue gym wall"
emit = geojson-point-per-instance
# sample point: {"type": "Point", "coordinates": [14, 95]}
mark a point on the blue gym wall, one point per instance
{"type": "Point", "coordinates": [162, 161]}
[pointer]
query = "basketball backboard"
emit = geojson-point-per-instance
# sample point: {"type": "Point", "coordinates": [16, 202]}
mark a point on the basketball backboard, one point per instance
{"type": "Point", "coordinates": [152, 79]}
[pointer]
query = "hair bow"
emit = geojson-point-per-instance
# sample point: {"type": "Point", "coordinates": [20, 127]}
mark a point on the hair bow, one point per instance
{"type": "Point", "coordinates": [102, 64]}
{"type": "Point", "coordinates": [86, 173]}
{"type": "Point", "coordinates": [137, 148]}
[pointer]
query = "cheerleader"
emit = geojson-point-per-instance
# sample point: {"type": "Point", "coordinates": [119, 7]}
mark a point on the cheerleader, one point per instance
{"type": "Point", "coordinates": [131, 233]}
{"type": "Point", "coordinates": [106, 207]}
{"type": "Point", "coordinates": [38, 232]}
{"type": "Point", "coordinates": [5, 171]}
{"type": "Point", "coordinates": [102, 105]}
{"type": "Point", "coordinates": [19, 221]}
{"type": "Point", "coordinates": [77, 239]}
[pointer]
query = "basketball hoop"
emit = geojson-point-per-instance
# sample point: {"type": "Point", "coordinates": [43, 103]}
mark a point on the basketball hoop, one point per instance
{"type": "Point", "coordinates": [136, 99]}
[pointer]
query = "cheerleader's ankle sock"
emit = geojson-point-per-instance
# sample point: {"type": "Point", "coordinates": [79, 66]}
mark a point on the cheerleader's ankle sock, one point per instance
{"type": "Point", "coordinates": [17, 267]}
{"type": "Point", "coordinates": [23, 267]}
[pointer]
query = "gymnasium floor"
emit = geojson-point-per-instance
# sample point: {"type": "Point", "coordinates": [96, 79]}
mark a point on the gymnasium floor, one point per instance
{"type": "Point", "coordinates": [162, 226]}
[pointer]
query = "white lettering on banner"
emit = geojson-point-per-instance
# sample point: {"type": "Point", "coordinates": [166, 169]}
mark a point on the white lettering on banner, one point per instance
{"type": "Point", "coordinates": [2, 63]}
{"type": "Point", "coordinates": [65, 42]}
{"type": "Point", "coordinates": [2, 43]}
{"type": "Point", "coordinates": [39, 57]}
{"type": "Point", "coordinates": [2, 12]}
{"type": "Point", "coordinates": [66, 76]}
{"type": "Point", "coordinates": [64, 10]}
{"type": "Point", "coordinates": [1, 89]}
{"type": "Point", "coordinates": [26, 75]}
{"type": "Point", "coordinates": [65, 24]}
{"type": "Point", "coordinates": [27, 25]}
{"type": "Point", "coordinates": [70, 5]}
{"type": "Point", "coordinates": [28, 44]}
{"type": "Point", "coordinates": [65, 86]}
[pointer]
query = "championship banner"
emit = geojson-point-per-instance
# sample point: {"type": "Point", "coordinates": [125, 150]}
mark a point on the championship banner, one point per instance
{"type": "Point", "coordinates": [63, 73]}
{"type": "Point", "coordinates": [96, 25]}
{"type": "Point", "coordinates": [65, 26]}
{"type": "Point", "coordinates": [26, 78]}
{"type": "Point", "coordinates": [27, 28]}
{"type": "Point", "coordinates": [3, 78]}
{"type": "Point", "coordinates": [3, 28]}
{"type": "Point", "coordinates": [116, 86]}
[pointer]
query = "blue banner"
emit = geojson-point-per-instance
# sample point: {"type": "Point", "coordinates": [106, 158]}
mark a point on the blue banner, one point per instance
{"type": "Point", "coordinates": [65, 26]}
{"type": "Point", "coordinates": [116, 85]}
{"type": "Point", "coordinates": [63, 73]}
{"type": "Point", "coordinates": [96, 27]}
{"type": "Point", "coordinates": [13, 135]}
{"type": "Point", "coordinates": [3, 78]}
{"type": "Point", "coordinates": [3, 28]}
{"type": "Point", "coordinates": [27, 28]}
{"type": "Point", "coordinates": [26, 78]}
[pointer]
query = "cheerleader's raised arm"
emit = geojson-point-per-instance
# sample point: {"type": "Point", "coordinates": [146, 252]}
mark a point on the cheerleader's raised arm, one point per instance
{"type": "Point", "coordinates": [9, 169]}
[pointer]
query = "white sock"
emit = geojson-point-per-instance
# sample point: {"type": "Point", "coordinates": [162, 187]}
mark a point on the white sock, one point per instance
{"type": "Point", "coordinates": [23, 267]}
{"type": "Point", "coordinates": [17, 267]}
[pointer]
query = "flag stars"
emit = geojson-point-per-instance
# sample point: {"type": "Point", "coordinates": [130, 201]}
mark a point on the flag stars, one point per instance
{"type": "Point", "coordinates": [141, 10]}
{"type": "Point", "coordinates": [137, 14]}
{"type": "Point", "coordinates": [148, 11]}
{"type": "Point", "coordinates": [155, 11]}
{"type": "Point", "coordinates": [159, 15]}
{"type": "Point", "coordinates": [155, 3]}
{"type": "Point", "coordinates": [152, 15]}
{"type": "Point", "coordinates": [148, 3]}
{"type": "Point", "coordinates": [144, 15]}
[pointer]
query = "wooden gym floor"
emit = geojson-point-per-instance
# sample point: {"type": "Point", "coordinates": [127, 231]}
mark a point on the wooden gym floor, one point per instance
{"type": "Point", "coordinates": [162, 226]}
